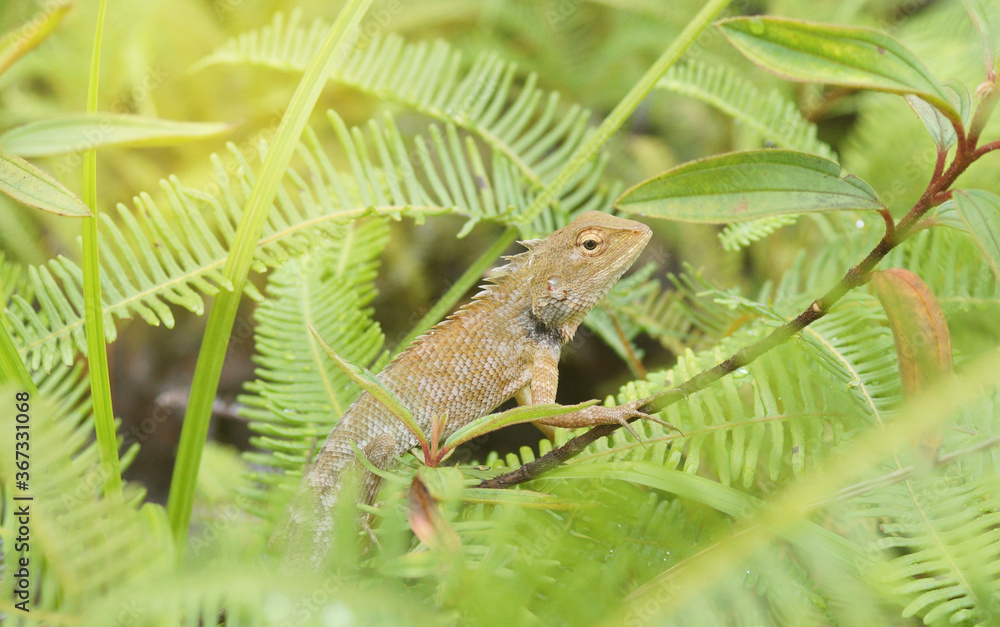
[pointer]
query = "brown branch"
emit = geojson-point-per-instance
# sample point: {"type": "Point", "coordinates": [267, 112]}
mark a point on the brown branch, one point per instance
{"type": "Point", "coordinates": [937, 191]}
{"type": "Point", "coordinates": [657, 402]}
{"type": "Point", "coordinates": [985, 148]}
{"type": "Point", "coordinates": [634, 362]}
{"type": "Point", "coordinates": [942, 155]}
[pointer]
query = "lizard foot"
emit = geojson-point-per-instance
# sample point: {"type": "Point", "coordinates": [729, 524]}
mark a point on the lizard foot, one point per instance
{"type": "Point", "coordinates": [632, 410]}
{"type": "Point", "coordinates": [604, 415]}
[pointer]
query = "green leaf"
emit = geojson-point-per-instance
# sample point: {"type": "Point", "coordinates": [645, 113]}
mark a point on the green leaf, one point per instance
{"type": "Point", "coordinates": [947, 215]}
{"type": "Point", "coordinates": [373, 386]}
{"type": "Point", "coordinates": [34, 187]}
{"type": "Point", "coordinates": [525, 413]}
{"type": "Point", "coordinates": [16, 43]}
{"type": "Point", "coordinates": [962, 99]}
{"type": "Point", "coordinates": [941, 130]}
{"type": "Point", "coordinates": [12, 367]}
{"type": "Point", "coordinates": [742, 186]}
{"type": "Point", "coordinates": [988, 24]}
{"type": "Point", "coordinates": [78, 132]}
{"type": "Point", "coordinates": [837, 55]}
{"type": "Point", "coordinates": [712, 494]}
{"type": "Point", "coordinates": [980, 211]}
{"type": "Point", "coordinates": [523, 498]}
{"type": "Point", "coordinates": [770, 114]}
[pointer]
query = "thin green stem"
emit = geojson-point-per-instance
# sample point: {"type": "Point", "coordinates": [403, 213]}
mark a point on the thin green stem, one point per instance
{"type": "Point", "coordinates": [97, 355]}
{"type": "Point", "coordinates": [220, 320]}
{"type": "Point", "coordinates": [12, 367]}
{"type": "Point", "coordinates": [447, 302]}
{"type": "Point", "coordinates": [624, 109]}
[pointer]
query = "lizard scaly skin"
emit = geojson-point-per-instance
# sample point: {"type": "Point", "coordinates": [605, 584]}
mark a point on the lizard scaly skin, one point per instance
{"type": "Point", "coordinates": [504, 343]}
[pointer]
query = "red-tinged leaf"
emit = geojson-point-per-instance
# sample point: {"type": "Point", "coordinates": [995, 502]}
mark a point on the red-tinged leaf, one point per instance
{"type": "Point", "coordinates": [919, 328]}
{"type": "Point", "coordinates": [921, 335]}
{"type": "Point", "coordinates": [426, 520]}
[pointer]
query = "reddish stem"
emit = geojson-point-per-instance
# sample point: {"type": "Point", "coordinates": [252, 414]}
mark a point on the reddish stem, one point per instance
{"type": "Point", "coordinates": [937, 192]}
{"type": "Point", "coordinates": [939, 166]}
{"type": "Point", "coordinates": [985, 148]}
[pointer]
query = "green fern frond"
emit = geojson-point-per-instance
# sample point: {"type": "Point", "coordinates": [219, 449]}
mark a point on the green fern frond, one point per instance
{"type": "Point", "coordinates": [944, 258]}
{"type": "Point", "coordinates": [81, 544]}
{"type": "Point", "coordinates": [617, 331]}
{"type": "Point", "coordinates": [945, 530]}
{"type": "Point", "coordinates": [852, 342]}
{"type": "Point", "coordinates": [947, 261]}
{"type": "Point", "coordinates": [679, 318]}
{"type": "Point", "coordinates": [172, 256]}
{"type": "Point", "coordinates": [739, 235]}
{"type": "Point", "coordinates": [772, 116]}
{"type": "Point", "coordinates": [10, 273]}
{"type": "Point", "coordinates": [529, 129]}
{"type": "Point", "coordinates": [975, 426]}
{"type": "Point", "coordinates": [299, 393]}
{"type": "Point", "coordinates": [760, 420]}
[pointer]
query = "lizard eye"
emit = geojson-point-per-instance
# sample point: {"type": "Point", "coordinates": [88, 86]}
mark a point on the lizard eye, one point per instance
{"type": "Point", "coordinates": [591, 241]}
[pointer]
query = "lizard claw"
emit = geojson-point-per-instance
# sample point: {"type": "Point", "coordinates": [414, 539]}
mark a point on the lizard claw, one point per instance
{"type": "Point", "coordinates": [635, 434]}
{"type": "Point", "coordinates": [632, 411]}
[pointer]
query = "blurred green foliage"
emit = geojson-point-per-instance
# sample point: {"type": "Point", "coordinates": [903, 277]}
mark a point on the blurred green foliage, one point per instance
{"type": "Point", "coordinates": [795, 495]}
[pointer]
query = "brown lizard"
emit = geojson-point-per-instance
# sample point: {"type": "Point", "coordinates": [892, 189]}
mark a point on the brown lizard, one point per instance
{"type": "Point", "coordinates": [504, 343]}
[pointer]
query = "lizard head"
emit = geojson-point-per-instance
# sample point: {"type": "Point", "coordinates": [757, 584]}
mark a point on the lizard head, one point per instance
{"type": "Point", "coordinates": [573, 268]}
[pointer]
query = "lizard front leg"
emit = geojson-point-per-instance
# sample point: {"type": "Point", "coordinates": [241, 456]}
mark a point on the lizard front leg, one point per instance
{"type": "Point", "coordinates": [542, 389]}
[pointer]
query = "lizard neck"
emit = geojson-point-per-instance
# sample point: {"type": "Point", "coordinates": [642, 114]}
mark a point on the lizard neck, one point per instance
{"type": "Point", "coordinates": [540, 331]}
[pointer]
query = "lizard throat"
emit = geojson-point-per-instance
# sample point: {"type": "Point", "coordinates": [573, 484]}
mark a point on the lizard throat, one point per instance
{"type": "Point", "coordinates": [539, 331]}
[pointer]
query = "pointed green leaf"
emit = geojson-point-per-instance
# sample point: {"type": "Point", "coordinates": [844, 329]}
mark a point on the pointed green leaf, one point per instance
{"type": "Point", "coordinates": [961, 98]}
{"type": "Point", "coordinates": [941, 130]}
{"type": "Point", "coordinates": [370, 383]}
{"type": "Point", "coordinates": [980, 211]}
{"type": "Point", "coordinates": [79, 132]}
{"type": "Point", "coordinates": [836, 55]}
{"type": "Point", "coordinates": [524, 498]}
{"type": "Point", "coordinates": [947, 215]}
{"type": "Point", "coordinates": [34, 187]}
{"type": "Point", "coordinates": [742, 186]}
{"type": "Point", "coordinates": [524, 413]}
{"type": "Point", "coordinates": [987, 22]}
{"type": "Point", "coordinates": [16, 43]}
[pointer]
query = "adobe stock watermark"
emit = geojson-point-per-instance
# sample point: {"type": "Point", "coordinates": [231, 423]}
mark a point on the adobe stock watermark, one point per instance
{"type": "Point", "coordinates": [31, 28]}
{"type": "Point", "coordinates": [561, 12]}
{"type": "Point", "coordinates": [374, 27]}
{"type": "Point", "coordinates": [98, 134]}
{"type": "Point", "coordinates": [248, 150]}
